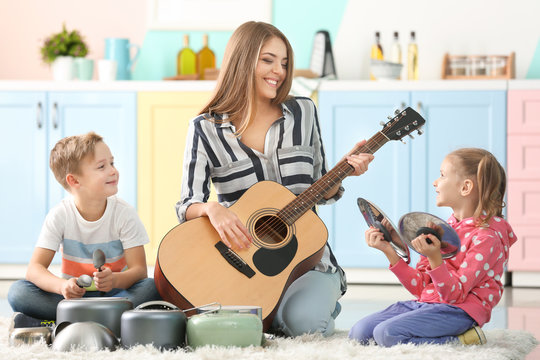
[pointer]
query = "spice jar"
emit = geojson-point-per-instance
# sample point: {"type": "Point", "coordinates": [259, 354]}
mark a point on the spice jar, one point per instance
{"type": "Point", "coordinates": [458, 65]}
{"type": "Point", "coordinates": [497, 65]}
{"type": "Point", "coordinates": [478, 65]}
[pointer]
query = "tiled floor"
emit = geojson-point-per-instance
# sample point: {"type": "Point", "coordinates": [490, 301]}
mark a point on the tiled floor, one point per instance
{"type": "Point", "coordinates": [518, 309]}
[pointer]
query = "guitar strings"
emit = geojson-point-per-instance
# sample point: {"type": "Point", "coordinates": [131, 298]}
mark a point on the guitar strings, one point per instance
{"type": "Point", "coordinates": [293, 211]}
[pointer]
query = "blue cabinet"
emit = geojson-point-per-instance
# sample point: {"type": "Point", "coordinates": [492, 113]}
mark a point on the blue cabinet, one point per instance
{"type": "Point", "coordinates": [33, 122]}
{"type": "Point", "coordinates": [400, 178]}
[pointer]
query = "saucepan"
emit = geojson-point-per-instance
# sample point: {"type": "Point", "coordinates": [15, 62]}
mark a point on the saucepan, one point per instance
{"type": "Point", "coordinates": [225, 326]}
{"type": "Point", "coordinates": [104, 310]}
{"type": "Point", "coordinates": [159, 323]}
{"type": "Point", "coordinates": [29, 336]}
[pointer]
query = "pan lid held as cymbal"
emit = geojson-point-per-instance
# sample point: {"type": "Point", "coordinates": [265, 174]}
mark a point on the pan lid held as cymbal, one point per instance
{"type": "Point", "coordinates": [411, 223]}
{"type": "Point", "coordinates": [376, 217]}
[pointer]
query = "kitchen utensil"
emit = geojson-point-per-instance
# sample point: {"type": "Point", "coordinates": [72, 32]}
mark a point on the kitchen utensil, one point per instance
{"type": "Point", "coordinates": [98, 258]}
{"type": "Point", "coordinates": [87, 335]}
{"type": "Point", "coordinates": [322, 58]}
{"type": "Point", "coordinates": [118, 49]}
{"type": "Point", "coordinates": [158, 323]}
{"type": "Point", "coordinates": [104, 310]}
{"type": "Point", "coordinates": [377, 218]}
{"type": "Point", "coordinates": [385, 70]}
{"type": "Point", "coordinates": [84, 281]}
{"type": "Point", "coordinates": [224, 329]}
{"type": "Point", "coordinates": [410, 223]}
{"type": "Point", "coordinates": [31, 335]}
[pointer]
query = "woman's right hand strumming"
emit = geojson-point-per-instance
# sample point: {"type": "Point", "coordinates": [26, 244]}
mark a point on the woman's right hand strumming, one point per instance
{"type": "Point", "coordinates": [230, 229]}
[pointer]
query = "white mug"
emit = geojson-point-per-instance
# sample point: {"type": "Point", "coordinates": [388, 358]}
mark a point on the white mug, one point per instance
{"type": "Point", "coordinates": [107, 70]}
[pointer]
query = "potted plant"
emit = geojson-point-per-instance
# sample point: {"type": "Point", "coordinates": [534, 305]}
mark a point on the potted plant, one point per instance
{"type": "Point", "coordinates": [59, 49]}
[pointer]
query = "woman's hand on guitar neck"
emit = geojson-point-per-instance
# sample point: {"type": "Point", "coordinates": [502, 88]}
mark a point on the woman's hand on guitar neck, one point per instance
{"type": "Point", "coordinates": [230, 229]}
{"type": "Point", "coordinates": [359, 162]}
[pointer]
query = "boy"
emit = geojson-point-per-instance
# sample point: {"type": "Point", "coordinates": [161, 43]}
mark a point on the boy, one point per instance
{"type": "Point", "coordinates": [92, 218]}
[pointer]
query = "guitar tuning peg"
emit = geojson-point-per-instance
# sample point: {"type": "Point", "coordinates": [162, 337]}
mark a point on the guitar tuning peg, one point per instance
{"type": "Point", "coordinates": [412, 137]}
{"type": "Point", "coordinates": [382, 123]}
{"type": "Point", "coordinates": [396, 111]}
{"type": "Point", "coordinates": [420, 132]}
{"type": "Point", "coordinates": [389, 117]}
{"type": "Point", "coordinates": [403, 141]}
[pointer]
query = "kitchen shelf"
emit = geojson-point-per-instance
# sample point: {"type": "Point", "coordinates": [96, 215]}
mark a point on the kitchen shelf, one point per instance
{"type": "Point", "coordinates": [509, 71]}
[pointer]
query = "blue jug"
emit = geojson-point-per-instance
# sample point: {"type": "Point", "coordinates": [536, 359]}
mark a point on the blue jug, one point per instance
{"type": "Point", "coordinates": [119, 49]}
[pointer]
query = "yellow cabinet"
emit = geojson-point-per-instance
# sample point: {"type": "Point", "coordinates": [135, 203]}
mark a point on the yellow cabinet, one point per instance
{"type": "Point", "coordinates": [163, 119]}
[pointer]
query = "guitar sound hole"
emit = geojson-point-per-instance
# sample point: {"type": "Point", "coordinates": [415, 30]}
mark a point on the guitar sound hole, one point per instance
{"type": "Point", "coordinates": [270, 229]}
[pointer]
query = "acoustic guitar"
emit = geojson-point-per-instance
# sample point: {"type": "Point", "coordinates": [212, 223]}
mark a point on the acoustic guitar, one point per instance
{"type": "Point", "coordinates": [194, 267]}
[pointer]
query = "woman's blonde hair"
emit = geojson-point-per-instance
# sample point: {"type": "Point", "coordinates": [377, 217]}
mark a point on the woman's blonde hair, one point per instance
{"type": "Point", "coordinates": [490, 178]}
{"type": "Point", "coordinates": [235, 92]}
{"type": "Point", "coordinates": [67, 154]}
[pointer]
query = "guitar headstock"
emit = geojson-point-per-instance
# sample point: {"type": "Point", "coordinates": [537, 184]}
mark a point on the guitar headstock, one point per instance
{"type": "Point", "coordinates": [402, 124]}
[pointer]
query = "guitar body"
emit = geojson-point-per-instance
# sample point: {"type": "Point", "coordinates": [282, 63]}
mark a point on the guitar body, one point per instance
{"type": "Point", "coordinates": [191, 271]}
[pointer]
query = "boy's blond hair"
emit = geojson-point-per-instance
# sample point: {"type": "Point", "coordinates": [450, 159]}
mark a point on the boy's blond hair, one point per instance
{"type": "Point", "coordinates": [68, 153]}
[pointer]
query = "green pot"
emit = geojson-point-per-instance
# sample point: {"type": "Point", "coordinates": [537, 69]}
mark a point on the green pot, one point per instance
{"type": "Point", "coordinates": [224, 329]}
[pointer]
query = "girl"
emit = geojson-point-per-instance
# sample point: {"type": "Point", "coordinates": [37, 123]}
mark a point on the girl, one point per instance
{"type": "Point", "coordinates": [454, 297]}
{"type": "Point", "coordinates": [250, 131]}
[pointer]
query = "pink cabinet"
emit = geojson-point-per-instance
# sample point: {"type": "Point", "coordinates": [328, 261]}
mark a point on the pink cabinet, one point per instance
{"type": "Point", "coordinates": [523, 159]}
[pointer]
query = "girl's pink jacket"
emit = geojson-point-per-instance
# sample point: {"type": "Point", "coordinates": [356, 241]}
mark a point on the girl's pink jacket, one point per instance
{"type": "Point", "coordinates": [472, 279]}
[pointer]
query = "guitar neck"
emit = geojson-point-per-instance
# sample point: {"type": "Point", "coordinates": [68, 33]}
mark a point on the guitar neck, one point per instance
{"type": "Point", "coordinates": [312, 195]}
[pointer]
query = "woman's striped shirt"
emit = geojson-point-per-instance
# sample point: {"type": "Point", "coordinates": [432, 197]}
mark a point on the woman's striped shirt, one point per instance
{"type": "Point", "coordinates": [293, 157]}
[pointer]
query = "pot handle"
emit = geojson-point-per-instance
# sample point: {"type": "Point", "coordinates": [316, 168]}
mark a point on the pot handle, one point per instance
{"type": "Point", "coordinates": [157, 304]}
{"type": "Point", "coordinates": [203, 306]}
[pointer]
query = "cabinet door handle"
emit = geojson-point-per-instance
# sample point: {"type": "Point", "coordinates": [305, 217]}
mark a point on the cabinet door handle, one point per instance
{"type": "Point", "coordinates": [39, 114]}
{"type": "Point", "coordinates": [55, 116]}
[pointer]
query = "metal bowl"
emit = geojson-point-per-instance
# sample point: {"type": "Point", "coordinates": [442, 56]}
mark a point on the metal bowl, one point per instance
{"type": "Point", "coordinates": [87, 335]}
{"type": "Point", "coordinates": [29, 336]}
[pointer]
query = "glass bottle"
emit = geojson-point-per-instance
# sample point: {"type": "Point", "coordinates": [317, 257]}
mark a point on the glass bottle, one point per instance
{"type": "Point", "coordinates": [186, 60]}
{"type": "Point", "coordinates": [376, 51]}
{"type": "Point", "coordinates": [412, 58]}
{"type": "Point", "coordinates": [205, 58]}
{"type": "Point", "coordinates": [396, 49]}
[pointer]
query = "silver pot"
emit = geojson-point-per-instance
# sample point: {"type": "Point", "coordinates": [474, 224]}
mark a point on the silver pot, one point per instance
{"type": "Point", "coordinates": [87, 335]}
{"type": "Point", "coordinates": [158, 323]}
{"type": "Point", "coordinates": [104, 310]}
{"type": "Point", "coordinates": [29, 336]}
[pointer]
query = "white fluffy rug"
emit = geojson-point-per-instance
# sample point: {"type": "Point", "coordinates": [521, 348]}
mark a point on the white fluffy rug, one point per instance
{"type": "Point", "coordinates": [502, 344]}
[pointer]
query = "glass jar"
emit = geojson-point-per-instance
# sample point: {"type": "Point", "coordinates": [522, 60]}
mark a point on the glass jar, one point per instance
{"type": "Point", "coordinates": [458, 65]}
{"type": "Point", "coordinates": [478, 65]}
{"type": "Point", "coordinates": [497, 65]}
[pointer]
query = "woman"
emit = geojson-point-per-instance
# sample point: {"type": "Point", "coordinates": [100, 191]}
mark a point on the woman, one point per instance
{"type": "Point", "coordinates": [252, 130]}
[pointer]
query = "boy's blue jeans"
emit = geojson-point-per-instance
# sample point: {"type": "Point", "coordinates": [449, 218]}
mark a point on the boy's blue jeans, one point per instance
{"type": "Point", "coordinates": [25, 297]}
{"type": "Point", "coordinates": [413, 322]}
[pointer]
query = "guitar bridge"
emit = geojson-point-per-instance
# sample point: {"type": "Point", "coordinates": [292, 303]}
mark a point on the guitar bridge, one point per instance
{"type": "Point", "coordinates": [235, 260]}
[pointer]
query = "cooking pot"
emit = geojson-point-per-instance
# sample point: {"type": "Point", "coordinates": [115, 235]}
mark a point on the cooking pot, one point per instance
{"type": "Point", "coordinates": [224, 329]}
{"type": "Point", "coordinates": [155, 322]}
{"type": "Point", "coordinates": [87, 335]}
{"type": "Point", "coordinates": [31, 335]}
{"type": "Point", "coordinates": [104, 310]}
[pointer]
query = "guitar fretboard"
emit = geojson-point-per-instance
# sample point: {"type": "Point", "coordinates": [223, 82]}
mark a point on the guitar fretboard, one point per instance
{"type": "Point", "coordinates": [312, 195]}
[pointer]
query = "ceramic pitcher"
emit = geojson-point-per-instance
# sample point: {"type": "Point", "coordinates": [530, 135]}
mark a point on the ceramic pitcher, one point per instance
{"type": "Point", "coordinates": [119, 49]}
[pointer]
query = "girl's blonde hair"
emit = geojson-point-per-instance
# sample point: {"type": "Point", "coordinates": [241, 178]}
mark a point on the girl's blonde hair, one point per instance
{"type": "Point", "coordinates": [67, 154]}
{"type": "Point", "coordinates": [490, 178]}
{"type": "Point", "coordinates": [235, 92]}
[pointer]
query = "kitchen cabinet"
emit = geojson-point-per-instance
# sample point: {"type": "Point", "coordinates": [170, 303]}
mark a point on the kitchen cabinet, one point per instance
{"type": "Point", "coordinates": [524, 178]}
{"type": "Point", "coordinates": [163, 119]}
{"type": "Point", "coordinates": [400, 178]}
{"type": "Point", "coordinates": [33, 122]}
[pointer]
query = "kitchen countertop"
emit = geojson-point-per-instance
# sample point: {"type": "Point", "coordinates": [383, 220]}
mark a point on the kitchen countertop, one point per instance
{"type": "Point", "coordinates": [327, 85]}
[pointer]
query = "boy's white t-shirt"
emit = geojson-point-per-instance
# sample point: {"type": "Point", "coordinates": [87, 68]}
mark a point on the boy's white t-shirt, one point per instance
{"type": "Point", "coordinates": [118, 229]}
